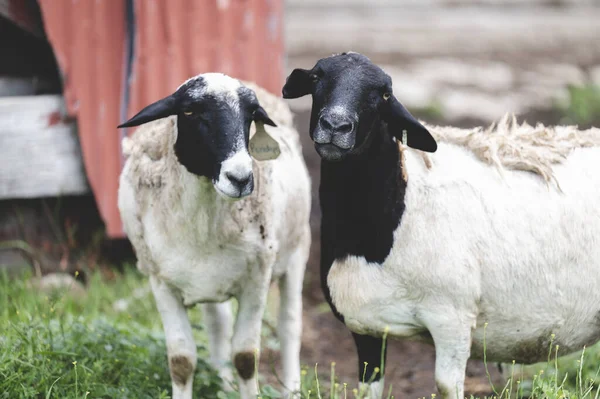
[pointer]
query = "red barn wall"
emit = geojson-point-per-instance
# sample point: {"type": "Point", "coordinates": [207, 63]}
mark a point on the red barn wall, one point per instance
{"type": "Point", "coordinates": [172, 40]}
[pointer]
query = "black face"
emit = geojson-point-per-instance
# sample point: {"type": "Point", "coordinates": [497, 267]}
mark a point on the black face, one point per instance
{"type": "Point", "coordinates": [350, 96]}
{"type": "Point", "coordinates": [214, 113]}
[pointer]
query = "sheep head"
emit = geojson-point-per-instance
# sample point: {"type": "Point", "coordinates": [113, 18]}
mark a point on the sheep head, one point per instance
{"type": "Point", "coordinates": [214, 113]}
{"type": "Point", "coordinates": [350, 95]}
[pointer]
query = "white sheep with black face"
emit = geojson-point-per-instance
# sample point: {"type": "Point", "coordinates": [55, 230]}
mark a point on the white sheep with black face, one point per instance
{"type": "Point", "coordinates": [438, 250]}
{"type": "Point", "coordinates": [209, 224]}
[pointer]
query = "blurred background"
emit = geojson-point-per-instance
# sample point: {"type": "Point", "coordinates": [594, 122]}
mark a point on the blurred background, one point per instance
{"type": "Point", "coordinates": [71, 71]}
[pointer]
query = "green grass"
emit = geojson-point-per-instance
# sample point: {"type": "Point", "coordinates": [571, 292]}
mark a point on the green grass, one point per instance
{"type": "Point", "coordinates": [582, 106]}
{"type": "Point", "coordinates": [575, 376]}
{"type": "Point", "coordinates": [59, 346]}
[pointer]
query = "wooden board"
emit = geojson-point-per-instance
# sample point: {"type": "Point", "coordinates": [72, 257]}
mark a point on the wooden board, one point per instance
{"type": "Point", "coordinates": [39, 150]}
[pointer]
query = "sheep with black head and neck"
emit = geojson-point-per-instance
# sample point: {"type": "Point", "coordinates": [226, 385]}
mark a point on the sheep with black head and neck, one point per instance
{"type": "Point", "coordinates": [208, 223]}
{"type": "Point", "coordinates": [436, 247]}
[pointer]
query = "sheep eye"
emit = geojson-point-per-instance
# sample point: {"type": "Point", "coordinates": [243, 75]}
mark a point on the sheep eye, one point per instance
{"type": "Point", "coordinates": [313, 77]}
{"type": "Point", "coordinates": [188, 113]}
{"type": "Point", "coordinates": [386, 96]}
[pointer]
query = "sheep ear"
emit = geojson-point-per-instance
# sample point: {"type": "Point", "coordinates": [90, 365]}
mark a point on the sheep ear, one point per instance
{"type": "Point", "coordinates": [399, 120]}
{"type": "Point", "coordinates": [260, 115]}
{"type": "Point", "coordinates": [160, 109]}
{"type": "Point", "coordinates": [297, 84]}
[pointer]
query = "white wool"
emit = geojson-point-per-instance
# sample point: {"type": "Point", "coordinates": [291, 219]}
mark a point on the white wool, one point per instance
{"type": "Point", "coordinates": [508, 145]}
{"type": "Point", "coordinates": [478, 252]}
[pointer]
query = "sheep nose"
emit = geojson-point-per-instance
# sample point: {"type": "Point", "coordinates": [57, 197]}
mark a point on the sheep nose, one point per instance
{"type": "Point", "coordinates": [239, 181]}
{"type": "Point", "coordinates": [336, 127]}
{"type": "Point", "coordinates": [336, 123]}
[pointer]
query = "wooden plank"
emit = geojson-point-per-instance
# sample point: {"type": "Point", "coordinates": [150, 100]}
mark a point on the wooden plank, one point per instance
{"type": "Point", "coordinates": [371, 4]}
{"type": "Point", "coordinates": [23, 86]}
{"type": "Point", "coordinates": [442, 31]}
{"type": "Point", "coordinates": [39, 150]}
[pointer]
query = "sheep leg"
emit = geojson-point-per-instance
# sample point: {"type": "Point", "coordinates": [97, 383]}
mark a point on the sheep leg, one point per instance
{"type": "Point", "coordinates": [290, 323]}
{"type": "Point", "coordinates": [452, 340]}
{"type": "Point", "coordinates": [181, 348]}
{"type": "Point", "coordinates": [370, 351]}
{"type": "Point", "coordinates": [246, 334]}
{"type": "Point", "coordinates": [218, 321]}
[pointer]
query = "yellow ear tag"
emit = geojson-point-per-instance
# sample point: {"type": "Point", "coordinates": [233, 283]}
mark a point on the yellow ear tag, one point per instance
{"type": "Point", "coordinates": [262, 146]}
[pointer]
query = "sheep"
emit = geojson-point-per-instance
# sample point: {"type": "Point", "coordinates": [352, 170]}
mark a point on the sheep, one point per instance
{"type": "Point", "coordinates": [209, 224]}
{"type": "Point", "coordinates": [454, 241]}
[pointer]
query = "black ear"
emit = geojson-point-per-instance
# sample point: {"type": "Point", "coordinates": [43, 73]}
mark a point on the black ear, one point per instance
{"type": "Point", "coordinates": [160, 109]}
{"type": "Point", "coordinates": [399, 119]}
{"type": "Point", "coordinates": [260, 115]}
{"type": "Point", "coordinates": [297, 84]}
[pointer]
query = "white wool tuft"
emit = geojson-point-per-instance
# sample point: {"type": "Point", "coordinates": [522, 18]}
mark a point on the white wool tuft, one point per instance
{"type": "Point", "coordinates": [507, 144]}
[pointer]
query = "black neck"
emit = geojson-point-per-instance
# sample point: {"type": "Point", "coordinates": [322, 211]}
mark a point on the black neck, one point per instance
{"type": "Point", "coordinates": [362, 201]}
